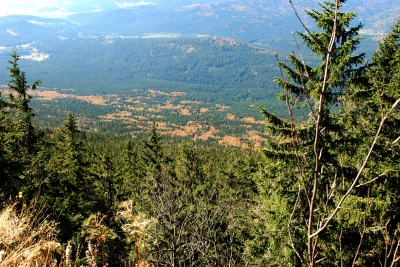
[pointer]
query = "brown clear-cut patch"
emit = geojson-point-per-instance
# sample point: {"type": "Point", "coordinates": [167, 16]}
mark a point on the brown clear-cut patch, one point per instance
{"type": "Point", "coordinates": [185, 111]}
{"type": "Point", "coordinates": [204, 110]}
{"type": "Point", "coordinates": [221, 107]}
{"type": "Point", "coordinates": [50, 95]}
{"type": "Point", "coordinates": [253, 121]}
{"type": "Point", "coordinates": [230, 140]}
{"type": "Point", "coordinates": [230, 116]}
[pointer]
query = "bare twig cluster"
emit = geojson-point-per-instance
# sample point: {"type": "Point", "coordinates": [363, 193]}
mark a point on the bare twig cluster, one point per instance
{"type": "Point", "coordinates": [135, 225]}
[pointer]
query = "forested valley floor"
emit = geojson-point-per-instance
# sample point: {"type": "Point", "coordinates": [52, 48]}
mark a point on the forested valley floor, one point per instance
{"type": "Point", "coordinates": [323, 191]}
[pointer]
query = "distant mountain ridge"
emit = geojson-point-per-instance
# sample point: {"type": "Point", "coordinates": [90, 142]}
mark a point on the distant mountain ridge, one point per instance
{"type": "Point", "coordinates": [209, 62]}
{"type": "Point", "coordinates": [260, 21]}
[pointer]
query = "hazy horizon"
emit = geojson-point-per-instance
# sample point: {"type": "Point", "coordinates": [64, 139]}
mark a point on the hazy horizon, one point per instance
{"type": "Point", "coordinates": [62, 8]}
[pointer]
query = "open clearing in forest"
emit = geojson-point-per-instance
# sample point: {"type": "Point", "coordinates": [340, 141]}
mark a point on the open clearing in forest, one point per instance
{"type": "Point", "coordinates": [137, 112]}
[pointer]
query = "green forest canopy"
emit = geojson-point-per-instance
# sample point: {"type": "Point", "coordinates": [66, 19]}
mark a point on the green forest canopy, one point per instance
{"type": "Point", "coordinates": [320, 192]}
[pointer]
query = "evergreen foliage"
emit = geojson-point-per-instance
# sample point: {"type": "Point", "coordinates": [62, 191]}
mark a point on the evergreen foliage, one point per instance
{"type": "Point", "coordinates": [366, 108]}
{"type": "Point", "coordinates": [313, 203]}
{"type": "Point", "coordinates": [18, 138]}
{"type": "Point", "coordinates": [69, 188]}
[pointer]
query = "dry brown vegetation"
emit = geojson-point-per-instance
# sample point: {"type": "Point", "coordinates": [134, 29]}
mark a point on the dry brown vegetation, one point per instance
{"type": "Point", "coordinates": [204, 110]}
{"type": "Point", "coordinates": [190, 49]}
{"type": "Point", "coordinates": [225, 41]}
{"type": "Point", "coordinates": [230, 116]}
{"type": "Point", "coordinates": [29, 239]}
{"type": "Point", "coordinates": [221, 107]}
{"type": "Point", "coordinates": [230, 140]}
{"type": "Point", "coordinates": [135, 226]}
{"type": "Point", "coordinates": [50, 95]}
{"type": "Point", "coordinates": [253, 121]}
{"type": "Point", "coordinates": [26, 237]}
{"type": "Point", "coordinates": [185, 111]}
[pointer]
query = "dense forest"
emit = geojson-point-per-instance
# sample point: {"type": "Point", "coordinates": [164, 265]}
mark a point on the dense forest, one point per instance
{"type": "Point", "coordinates": [321, 191]}
{"type": "Point", "coordinates": [111, 84]}
{"type": "Point", "coordinates": [196, 75]}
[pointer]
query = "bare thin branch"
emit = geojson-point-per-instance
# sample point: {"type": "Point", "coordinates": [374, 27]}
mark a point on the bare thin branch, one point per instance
{"type": "Point", "coordinates": [395, 141]}
{"type": "Point", "coordinates": [302, 81]}
{"type": "Point", "coordinates": [304, 26]}
{"type": "Point", "coordinates": [373, 180]}
{"type": "Point", "coordinates": [362, 232]}
{"type": "Point", "coordinates": [290, 222]}
{"type": "Point", "coordinates": [395, 254]}
{"type": "Point", "coordinates": [295, 137]}
{"type": "Point", "coordinates": [311, 250]}
{"type": "Point", "coordinates": [341, 249]}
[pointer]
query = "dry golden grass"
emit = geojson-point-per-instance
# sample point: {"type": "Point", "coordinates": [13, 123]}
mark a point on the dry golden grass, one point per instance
{"type": "Point", "coordinates": [135, 226]}
{"type": "Point", "coordinates": [136, 108]}
{"type": "Point", "coordinates": [188, 102]}
{"type": "Point", "coordinates": [230, 116]}
{"type": "Point", "coordinates": [204, 110]}
{"type": "Point", "coordinates": [209, 133]}
{"type": "Point", "coordinates": [27, 238]}
{"type": "Point", "coordinates": [255, 138]}
{"type": "Point", "coordinates": [230, 140]}
{"type": "Point", "coordinates": [185, 112]}
{"type": "Point", "coordinates": [97, 232]}
{"type": "Point", "coordinates": [50, 95]}
{"type": "Point", "coordinates": [253, 121]}
{"type": "Point", "coordinates": [94, 99]}
{"type": "Point", "coordinates": [226, 41]}
{"type": "Point", "coordinates": [221, 107]}
{"type": "Point", "coordinates": [177, 93]}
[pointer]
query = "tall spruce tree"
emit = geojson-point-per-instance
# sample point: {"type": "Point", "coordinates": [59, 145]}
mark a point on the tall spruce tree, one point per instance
{"type": "Point", "coordinates": [18, 137]}
{"type": "Point", "coordinates": [369, 107]}
{"type": "Point", "coordinates": [69, 190]}
{"type": "Point", "coordinates": [305, 181]}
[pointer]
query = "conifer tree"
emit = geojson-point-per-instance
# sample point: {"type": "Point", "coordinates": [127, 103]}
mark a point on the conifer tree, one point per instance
{"type": "Point", "coordinates": [131, 168]}
{"type": "Point", "coordinates": [369, 107]}
{"type": "Point", "coordinates": [154, 156]}
{"type": "Point", "coordinates": [18, 137]}
{"type": "Point", "coordinates": [70, 190]}
{"type": "Point", "coordinates": [107, 182]}
{"type": "Point", "coordinates": [305, 182]}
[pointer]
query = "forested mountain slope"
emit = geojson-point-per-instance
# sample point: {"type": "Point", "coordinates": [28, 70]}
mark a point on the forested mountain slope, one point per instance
{"type": "Point", "coordinates": [213, 53]}
{"type": "Point", "coordinates": [212, 83]}
{"type": "Point", "coordinates": [322, 189]}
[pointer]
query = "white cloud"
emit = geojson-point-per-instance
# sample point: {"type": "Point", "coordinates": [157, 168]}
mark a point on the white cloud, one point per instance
{"type": "Point", "coordinates": [47, 8]}
{"type": "Point", "coordinates": [34, 8]}
{"type": "Point", "coordinates": [12, 32]}
{"type": "Point", "coordinates": [126, 4]}
{"type": "Point", "coordinates": [38, 23]}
